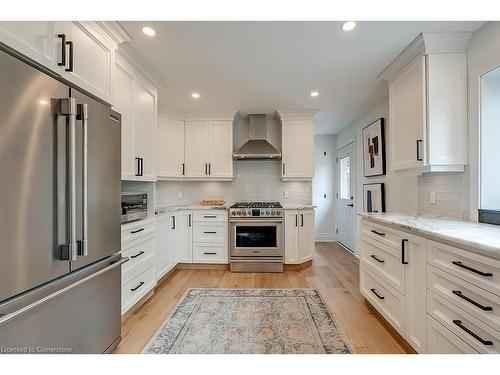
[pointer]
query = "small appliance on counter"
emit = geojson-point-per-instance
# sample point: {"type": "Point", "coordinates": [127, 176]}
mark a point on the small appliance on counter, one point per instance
{"type": "Point", "coordinates": [256, 235]}
{"type": "Point", "coordinates": [134, 206]}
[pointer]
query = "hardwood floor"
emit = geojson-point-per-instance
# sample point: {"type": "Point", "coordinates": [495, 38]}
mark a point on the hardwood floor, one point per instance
{"type": "Point", "coordinates": [334, 273]}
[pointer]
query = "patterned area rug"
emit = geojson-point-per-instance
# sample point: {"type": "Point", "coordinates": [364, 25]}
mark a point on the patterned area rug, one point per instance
{"type": "Point", "coordinates": [245, 321]}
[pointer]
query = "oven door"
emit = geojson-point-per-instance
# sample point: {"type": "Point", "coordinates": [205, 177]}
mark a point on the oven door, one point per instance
{"type": "Point", "coordinates": [257, 238]}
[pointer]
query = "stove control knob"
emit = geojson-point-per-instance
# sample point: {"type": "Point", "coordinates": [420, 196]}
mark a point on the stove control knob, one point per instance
{"type": "Point", "coordinates": [233, 213]}
{"type": "Point", "coordinates": [244, 213]}
{"type": "Point", "coordinates": [272, 213]}
{"type": "Point", "coordinates": [267, 213]}
{"type": "Point", "coordinates": [278, 213]}
{"type": "Point", "coordinates": [239, 213]}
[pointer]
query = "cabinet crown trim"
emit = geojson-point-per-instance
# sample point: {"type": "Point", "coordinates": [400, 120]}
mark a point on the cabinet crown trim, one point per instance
{"type": "Point", "coordinates": [296, 114]}
{"type": "Point", "coordinates": [229, 116]}
{"type": "Point", "coordinates": [115, 31]}
{"type": "Point", "coordinates": [424, 44]}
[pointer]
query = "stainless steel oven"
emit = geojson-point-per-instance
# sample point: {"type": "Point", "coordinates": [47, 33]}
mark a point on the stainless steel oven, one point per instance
{"type": "Point", "coordinates": [134, 205]}
{"type": "Point", "coordinates": [256, 239]}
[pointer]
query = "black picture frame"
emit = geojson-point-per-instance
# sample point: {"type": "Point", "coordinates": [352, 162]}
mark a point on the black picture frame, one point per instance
{"type": "Point", "coordinates": [366, 204]}
{"type": "Point", "coordinates": [380, 129]}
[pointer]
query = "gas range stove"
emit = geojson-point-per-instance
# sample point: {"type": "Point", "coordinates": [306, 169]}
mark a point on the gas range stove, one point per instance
{"type": "Point", "coordinates": [257, 210]}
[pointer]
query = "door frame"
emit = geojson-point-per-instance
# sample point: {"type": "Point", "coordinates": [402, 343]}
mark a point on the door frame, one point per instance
{"type": "Point", "coordinates": [348, 142]}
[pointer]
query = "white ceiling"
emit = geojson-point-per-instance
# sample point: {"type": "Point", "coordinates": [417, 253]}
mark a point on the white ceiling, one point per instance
{"type": "Point", "coordinates": [258, 67]}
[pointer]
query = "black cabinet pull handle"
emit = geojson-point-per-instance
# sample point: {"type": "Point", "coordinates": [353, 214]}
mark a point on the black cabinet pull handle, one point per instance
{"type": "Point", "coordinates": [377, 259]}
{"type": "Point", "coordinates": [301, 220]}
{"type": "Point", "coordinates": [378, 295]}
{"type": "Point", "coordinates": [183, 169]}
{"type": "Point", "coordinates": [137, 255]}
{"type": "Point", "coordinates": [142, 167]}
{"type": "Point", "coordinates": [284, 169]}
{"type": "Point", "coordinates": [209, 169]}
{"type": "Point", "coordinates": [189, 220]}
{"type": "Point", "coordinates": [376, 232]}
{"type": "Point", "coordinates": [63, 49]}
{"type": "Point", "coordinates": [209, 216]}
{"type": "Point", "coordinates": [296, 220]}
{"type": "Point", "coordinates": [419, 158]}
{"type": "Point", "coordinates": [210, 232]}
{"type": "Point", "coordinates": [468, 268]}
{"type": "Point", "coordinates": [206, 168]}
{"type": "Point", "coordinates": [70, 44]}
{"type": "Point", "coordinates": [458, 293]}
{"type": "Point", "coordinates": [136, 231]}
{"type": "Point", "coordinates": [477, 337]}
{"type": "Point", "coordinates": [137, 287]}
{"type": "Point", "coordinates": [209, 253]}
{"type": "Point", "coordinates": [138, 171]}
{"type": "Point", "coordinates": [173, 222]}
{"type": "Point", "coordinates": [350, 205]}
{"type": "Point", "coordinates": [403, 251]}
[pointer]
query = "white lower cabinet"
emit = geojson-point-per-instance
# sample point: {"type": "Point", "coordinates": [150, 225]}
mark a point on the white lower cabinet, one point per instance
{"type": "Point", "coordinates": [210, 237]}
{"type": "Point", "coordinates": [185, 236]}
{"type": "Point", "coordinates": [441, 341]}
{"type": "Point", "coordinates": [166, 244]}
{"type": "Point", "coordinates": [299, 236]}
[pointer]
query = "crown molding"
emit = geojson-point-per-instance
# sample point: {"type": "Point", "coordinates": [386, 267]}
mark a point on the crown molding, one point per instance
{"type": "Point", "coordinates": [296, 114]}
{"type": "Point", "coordinates": [115, 31]}
{"type": "Point", "coordinates": [224, 116]}
{"type": "Point", "coordinates": [129, 54]}
{"type": "Point", "coordinates": [424, 44]}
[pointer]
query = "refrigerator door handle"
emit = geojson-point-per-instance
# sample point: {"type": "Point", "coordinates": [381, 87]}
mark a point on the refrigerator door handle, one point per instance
{"type": "Point", "coordinates": [8, 317]}
{"type": "Point", "coordinates": [67, 108]}
{"type": "Point", "coordinates": [82, 110]}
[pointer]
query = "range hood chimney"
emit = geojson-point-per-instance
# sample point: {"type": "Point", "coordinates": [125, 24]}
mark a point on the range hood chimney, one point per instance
{"type": "Point", "coordinates": [257, 147]}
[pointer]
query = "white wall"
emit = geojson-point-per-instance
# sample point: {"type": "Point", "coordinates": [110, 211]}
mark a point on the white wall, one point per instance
{"type": "Point", "coordinates": [483, 54]}
{"type": "Point", "coordinates": [400, 190]}
{"type": "Point", "coordinates": [324, 184]}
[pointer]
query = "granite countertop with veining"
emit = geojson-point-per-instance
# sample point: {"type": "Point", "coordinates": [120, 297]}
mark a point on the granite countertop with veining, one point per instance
{"type": "Point", "coordinates": [477, 237]}
{"type": "Point", "coordinates": [162, 209]}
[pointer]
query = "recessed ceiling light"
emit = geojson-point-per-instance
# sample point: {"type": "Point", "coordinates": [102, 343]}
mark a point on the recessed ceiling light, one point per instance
{"type": "Point", "coordinates": [195, 95]}
{"type": "Point", "coordinates": [348, 25]}
{"type": "Point", "coordinates": [314, 94]}
{"type": "Point", "coordinates": [149, 31]}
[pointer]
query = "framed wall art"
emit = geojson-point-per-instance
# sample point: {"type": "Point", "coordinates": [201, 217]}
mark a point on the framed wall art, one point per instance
{"type": "Point", "coordinates": [373, 198]}
{"type": "Point", "coordinates": [374, 149]}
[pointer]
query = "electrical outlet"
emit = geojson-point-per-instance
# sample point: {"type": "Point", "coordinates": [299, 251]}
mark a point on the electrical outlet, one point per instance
{"type": "Point", "coordinates": [179, 194]}
{"type": "Point", "coordinates": [432, 197]}
{"type": "Point", "coordinates": [286, 194]}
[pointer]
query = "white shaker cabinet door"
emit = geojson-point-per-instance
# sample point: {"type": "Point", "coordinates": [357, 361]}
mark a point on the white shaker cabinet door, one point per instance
{"type": "Point", "coordinates": [298, 150]}
{"type": "Point", "coordinates": [166, 245]}
{"type": "Point", "coordinates": [221, 149]}
{"type": "Point", "coordinates": [407, 114]}
{"type": "Point", "coordinates": [196, 148]}
{"type": "Point", "coordinates": [291, 237]}
{"type": "Point", "coordinates": [306, 235]}
{"type": "Point", "coordinates": [185, 230]}
{"type": "Point", "coordinates": [170, 148]}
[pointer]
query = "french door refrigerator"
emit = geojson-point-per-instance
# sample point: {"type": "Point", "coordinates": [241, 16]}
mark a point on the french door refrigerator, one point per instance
{"type": "Point", "coordinates": [60, 266]}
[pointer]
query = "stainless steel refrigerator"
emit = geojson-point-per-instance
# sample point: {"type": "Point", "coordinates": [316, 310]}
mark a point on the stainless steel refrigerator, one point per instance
{"type": "Point", "coordinates": [60, 267]}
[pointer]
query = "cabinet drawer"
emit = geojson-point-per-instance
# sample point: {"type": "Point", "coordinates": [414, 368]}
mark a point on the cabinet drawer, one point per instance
{"type": "Point", "coordinates": [479, 270]}
{"type": "Point", "coordinates": [137, 288]}
{"type": "Point", "coordinates": [210, 232]}
{"type": "Point", "coordinates": [141, 256]}
{"type": "Point", "coordinates": [476, 301]}
{"type": "Point", "coordinates": [388, 301]}
{"type": "Point", "coordinates": [210, 215]}
{"type": "Point", "coordinates": [440, 340]}
{"type": "Point", "coordinates": [208, 253]}
{"type": "Point", "coordinates": [471, 330]}
{"type": "Point", "coordinates": [385, 261]}
{"type": "Point", "coordinates": [132, 231]}
{"type": "Point", "coordinates": [386, 235]}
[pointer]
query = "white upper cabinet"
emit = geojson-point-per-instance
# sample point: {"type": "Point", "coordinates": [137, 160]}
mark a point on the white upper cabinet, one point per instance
{"type": "Point", "coordinates": [196, 149]}
{"type": "Point", "coordinates": [135, 98]}
{"type": "Point", "coordinates": [297, 136]}
{"type": "Point", "coordinates": [427, 104]}
{"type": "Point", "coordinates": [34, 39]}
{"type": "Point", "coordinates": [170, 148]}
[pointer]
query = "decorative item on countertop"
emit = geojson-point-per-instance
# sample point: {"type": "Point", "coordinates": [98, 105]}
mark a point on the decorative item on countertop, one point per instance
{"type": "Point", "coordinates": [374, 149]}
{"type": "Point", "coordinates": [212, 202]}
{"type": "Point", "coordinates": [373, 198]}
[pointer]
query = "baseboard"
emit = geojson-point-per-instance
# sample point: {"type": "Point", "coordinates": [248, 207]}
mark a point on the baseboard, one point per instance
{"type": "Point", "coordinates": [297, 267]}
{"type": "Point", "coordinates": [202, 266]}
{"type": "Point", "coordinates": [325, 237]}
{"type": "Point", "coordinates": [138, 304]}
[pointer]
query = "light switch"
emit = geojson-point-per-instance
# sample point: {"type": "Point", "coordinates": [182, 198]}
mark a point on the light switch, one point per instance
{"type": "Point", "coordinates": [432, 197]}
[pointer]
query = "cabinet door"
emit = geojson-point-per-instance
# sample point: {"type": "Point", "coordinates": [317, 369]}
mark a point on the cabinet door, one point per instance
{"type": "Point", "coordinates": [165, 245]}
{"type": "Point", "coordinates": [35, 39]}
{"type": "Point", "coordinates": [407, 114]}
{"type": "Point", "coordinates": [291, 237]}
{"type": "Point", "coordinates": [196, 148]}
{"type": "Point", "coordinates": [170, 148]}
{"type": "Point", "coordinates": [221, 149]}
{"type": "Point", "coordinates": [185, 230]}
{"type": "Point", "coordinates": [93, 59]}
{"type": "Point", "coordinates": [298, 149]}
{"type": "Point", "coordinates": [414, 254]}
{"type": "Point", "coordinates": [306, 235]}
{"type": "Point", "coordinates": [123, 102]}
{"type": "Point", "coordinates": [145, 130]}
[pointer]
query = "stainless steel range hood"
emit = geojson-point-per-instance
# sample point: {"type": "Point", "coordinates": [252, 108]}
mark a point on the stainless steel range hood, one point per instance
{"type": "Point", "coordinates": [257, 147]}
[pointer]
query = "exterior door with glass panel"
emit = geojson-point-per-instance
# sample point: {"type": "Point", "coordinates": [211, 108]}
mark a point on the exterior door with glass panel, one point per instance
{"type": "Point", "coordinates": [345, 200]}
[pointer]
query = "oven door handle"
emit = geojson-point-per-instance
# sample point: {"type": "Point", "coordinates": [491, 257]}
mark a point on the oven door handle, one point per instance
{"type": "Point", "coordinates": [270, 221]}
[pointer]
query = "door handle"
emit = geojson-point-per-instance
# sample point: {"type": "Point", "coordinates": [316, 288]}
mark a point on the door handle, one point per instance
{"type": "Point", "coordinates": [350, 205]}
{"type": "Point", "coordinates": [301, 220]}
{"type": "Point", "coordinates": [475, 335]}
{"type": "Point", "coordinates": [377, 232]}
{"type": "Point", "coordinates": [375, 292]}
{"type": "Point", "coordinates": [136, 231]}
{"type": "Point", "coordinates": [210, 232]}
{"type": "Point", "coordinates": [209, 169]}
{"type": "Point", "coordinates": [69, 251]}
{"type": "Point", "coordinates": [173, 222]}
{"type": "Point", "coordinates": [403, 251]}
{"type": "Point", "coordinates": [296, 220]}
{"type": "Point", "coordinates": [458, 293]}
{"type": "Point", "coordinates": [284, 169]}
{"type": "Point", "coordinates": [63, 49]}
{"type": "Point", "coordinates": [137, 255]}
{"type": "Point", "coordinates": [206, 168]}
{"type": "Point", "coordinates": [419, 142]}
{"type": "Point", "coordinates": [183, 169]}
{"type": "Point", "coordinates": [82, 114]}
{"type": "Point", "coordinates": [209, 253]}
{"type": "Point", "coordinates": [70, 44]}
{"type": "Point", "coordinates": [377, 259]}
{"type": "Point", "coordinates": [137, 287]}
{"type": "Point", "coordinates": [468, 268]}
{"type": "Point", "coordinates": [189, 220]}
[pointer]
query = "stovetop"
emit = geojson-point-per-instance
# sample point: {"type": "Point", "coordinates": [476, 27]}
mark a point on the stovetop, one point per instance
{"type": "Point", "coordinates": [256, 205]}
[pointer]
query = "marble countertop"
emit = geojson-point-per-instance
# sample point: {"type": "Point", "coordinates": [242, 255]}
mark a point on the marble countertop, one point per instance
{"type": "Point", "coordinates": [298, 206]}
{"type": "Point", "coordinates": [480, 238]}
{"type": "Point", "coordinates": [159, 210]}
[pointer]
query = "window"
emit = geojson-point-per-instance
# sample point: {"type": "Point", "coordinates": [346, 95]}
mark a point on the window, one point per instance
{"type": "Point", "coordinates": [345, 177]}
{"type": "Point", "coordinates": [489, 207]}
